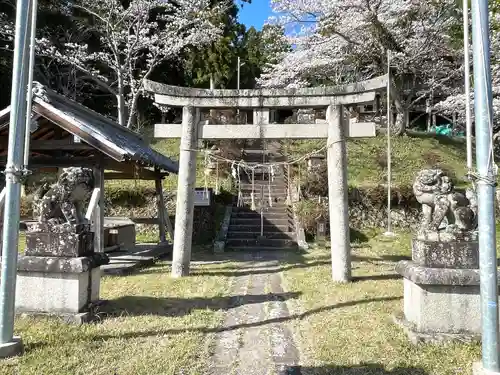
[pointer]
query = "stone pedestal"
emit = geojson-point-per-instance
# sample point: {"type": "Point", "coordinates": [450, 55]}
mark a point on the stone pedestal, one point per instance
{"type": "Point", "coordinates": [478, 369]}
{"type": "Point", "coordinates": [60, 273]}
{"type": "Point", "coordinates": [441, 292]}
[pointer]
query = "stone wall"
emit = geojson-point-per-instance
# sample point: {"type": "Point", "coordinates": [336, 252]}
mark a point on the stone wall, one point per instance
{"type": "Point", "coordinates": [367, 209]}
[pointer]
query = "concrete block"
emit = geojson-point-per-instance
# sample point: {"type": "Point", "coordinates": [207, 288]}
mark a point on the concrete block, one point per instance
{"type": "Point", "coordinates": [11, 348]}
{"type": "Point", "coordinates": [121, 232]}
{"type": "Point", "coordinates": [53, 292]}
{"type": "Point", "coordinates": [443, 308]}
{"type": "Point", "coordinates": [57, 285]}
{"type": "Point", "coordinates": [478, 369]}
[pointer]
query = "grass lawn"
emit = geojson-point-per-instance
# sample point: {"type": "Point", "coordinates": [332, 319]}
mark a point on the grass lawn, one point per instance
{"type": "Point", "coordinates": [345, 326]}
{"type": "Point", "coordinates": [366, 158]}
{"type": "Point", "coordinates": [143, 329]}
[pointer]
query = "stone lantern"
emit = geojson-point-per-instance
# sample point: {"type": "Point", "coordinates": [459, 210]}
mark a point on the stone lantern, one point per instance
{"type": "Point", "coordinates": [314, 161]}
{"type": "Point", "coordinates": [211, 165]}
{"type": "Point", "coordinates": [320, 229]}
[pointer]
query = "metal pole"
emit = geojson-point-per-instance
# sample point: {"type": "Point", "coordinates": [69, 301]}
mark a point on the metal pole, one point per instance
{"type": "Point", "coordinates": [30, 82]}
{"type": "Point", "coordinates": [10, 238]}
{"type": "Point", "coordinates": [238, 87]}
{"type": "Point", "coordinates": [468, 119]}
{"type": "Point", "coordinates": [238, 78]}
{"type": "Point", "coordinates": [389, 169]}
{"type": "Point", "coordinates": [485, 184]}
{"type": "Point", "coordinates": [262, 211]}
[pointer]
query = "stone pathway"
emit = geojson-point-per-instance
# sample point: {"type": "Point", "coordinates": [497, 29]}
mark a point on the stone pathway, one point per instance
{"type": "Point", "coordinates": [254, 338]}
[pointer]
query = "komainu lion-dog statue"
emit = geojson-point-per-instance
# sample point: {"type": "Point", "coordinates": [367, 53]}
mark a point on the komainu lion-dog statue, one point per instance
{"type": "Point", "coordinates": [434, 190]}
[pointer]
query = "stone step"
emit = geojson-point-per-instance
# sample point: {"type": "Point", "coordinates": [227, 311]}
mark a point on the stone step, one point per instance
{"type": "Point", "coordinates": [278, 201]}
{"type": "Point", "coordinates": [275, 235]}
{"type": "Point", "coordinates": [264, 184]}
{"type": "Point", "coordinates": [275, 208]}
{"type": "Point", "coordinates": [256, 221]}
{"type": "Point", "coordinates": [274, 214]}
{"type": "Point", "coordinates": [231, 242]}
{"type": "Point", "coordinates": [256, 228]}
{"type": "Point", "coordinates": [259, 184]}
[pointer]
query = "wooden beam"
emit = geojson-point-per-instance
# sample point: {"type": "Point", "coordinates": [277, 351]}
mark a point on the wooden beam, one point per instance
{"type": "Point", "coordinates": [144, 220]}
{"type": "Point", "coordinates": [58, 145]}
{"type": "Point", "coordinates": [266, 131]}
{"type": "Point", "coordinates": [99, 209]}
{"type": "Point", "coordinates": [168, 223]}
{"type": "Point", "coordinates": [160, 205]}
{"type": "Point", "coordinates": [94, 201]}
{"type": "Point", "coordinates": [143, 174]}
{"type": "Point", "coordinates": [43, 162]}
{"type": "Point", "coordinates": [51, 144]}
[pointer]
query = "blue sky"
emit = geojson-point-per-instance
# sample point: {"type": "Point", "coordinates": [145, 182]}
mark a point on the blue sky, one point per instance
{"type": "Point", "coordinates": [255, 14]}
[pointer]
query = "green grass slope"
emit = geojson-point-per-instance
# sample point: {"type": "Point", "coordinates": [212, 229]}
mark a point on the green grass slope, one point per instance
{"type": "Point", "coordinates": [367, 158]}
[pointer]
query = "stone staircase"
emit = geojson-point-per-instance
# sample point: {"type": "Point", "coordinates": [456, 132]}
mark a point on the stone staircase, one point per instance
{"type": "Point", "coordinates": [274, 229]}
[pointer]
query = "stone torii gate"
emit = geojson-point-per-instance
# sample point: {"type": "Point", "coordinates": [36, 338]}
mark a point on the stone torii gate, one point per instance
{"type": "Point", "coordinates": [335, 129]}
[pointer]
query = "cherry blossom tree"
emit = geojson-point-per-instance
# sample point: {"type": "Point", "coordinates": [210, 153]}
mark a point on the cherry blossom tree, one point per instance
{"type": "Point", "coordinates": [121, 43]}
{"type": "Point", "coordinates": [342, 41]}
{"type": "Point", "coordinates": [454, 104]}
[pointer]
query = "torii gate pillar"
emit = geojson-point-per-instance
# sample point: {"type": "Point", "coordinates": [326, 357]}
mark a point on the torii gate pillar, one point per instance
{"type": "Point", "coordinates": [183, 233]}
{"type": "Point", "coordinates": [338, 195]}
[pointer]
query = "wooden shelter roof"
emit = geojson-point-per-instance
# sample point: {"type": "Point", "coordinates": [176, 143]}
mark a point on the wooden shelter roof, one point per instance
{"type": "Point", "coordinates": [61, 122]}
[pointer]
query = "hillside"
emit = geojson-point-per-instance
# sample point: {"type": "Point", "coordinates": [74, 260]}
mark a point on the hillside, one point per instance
{"type": "Point", "coordinates": [367, 158]}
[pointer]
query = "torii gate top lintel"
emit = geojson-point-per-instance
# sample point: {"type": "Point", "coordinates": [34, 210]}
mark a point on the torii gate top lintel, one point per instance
{"type": "Point", "coordinates": [176, 96]}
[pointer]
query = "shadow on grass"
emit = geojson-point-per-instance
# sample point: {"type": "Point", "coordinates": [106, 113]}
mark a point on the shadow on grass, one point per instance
{"type": "Point", "coordinates": [243, 325]}
{"type": "Point", "coordinates": [362, 369]}
{"type": "Point", "coordinates": [387, 276]}
{"type": "Point", "coordinates": [143, 305]}
{"type": "Point", "coordinates": [382, 258]}
{"type": "Point", "coordinates": [259, 271]}
{"type": "Point", "coordinates": [357, 236]}
{"type": "Point", "coordinates": [292, 260]}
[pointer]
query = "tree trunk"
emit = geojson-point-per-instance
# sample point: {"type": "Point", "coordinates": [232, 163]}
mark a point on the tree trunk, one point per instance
{"type": "Point", "coordinates": [120, 97]}
{"type": "Point", "coordinates": [399, 126]}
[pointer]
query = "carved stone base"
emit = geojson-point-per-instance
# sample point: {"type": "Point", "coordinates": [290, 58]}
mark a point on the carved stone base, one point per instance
{"type": "Point", "coordinates": [445, 235]}
{"type": "Point", "coordinates": [58, 285]}
{"type": "Point", "coordinates": [454, 254]}
{"type": "Point", "coordinates": [59, 240]}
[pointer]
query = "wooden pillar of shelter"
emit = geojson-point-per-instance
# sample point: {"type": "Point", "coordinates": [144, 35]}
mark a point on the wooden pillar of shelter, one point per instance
{"type": "Point", "coordinates": [160, 204]}
{"type": "Point", "coordinates": [338, 195]}
{"type": "Point", "coordinates": [98, 215]}
{"type": "Point", "coordinates": [183, 235]}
